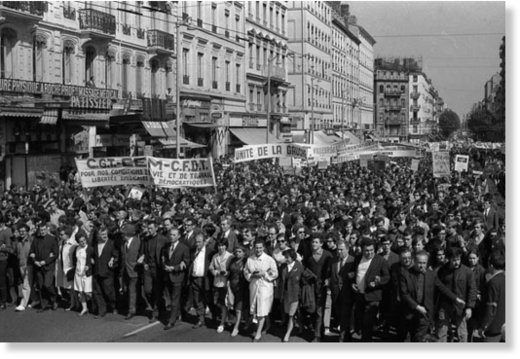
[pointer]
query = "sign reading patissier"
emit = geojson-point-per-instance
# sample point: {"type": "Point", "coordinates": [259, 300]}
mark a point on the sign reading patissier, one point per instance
{"type": "Point", "coordinates": [177, 173]}
{"type": "Point", "coordinates": [112, 171]}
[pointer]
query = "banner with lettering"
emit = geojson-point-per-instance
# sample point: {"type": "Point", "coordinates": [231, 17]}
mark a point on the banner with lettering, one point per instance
{"type": "Point", "coordinates": [441, 163]}
{"type": "Point", "coordinates": [177, 173]}
{"type": "Point", "coordinates": [270, 150]}
{"type": "Point", "coordinates": [415, 164]}
{"type": "Point", "coordinates": [461, 163]}
{"type": "Point", "coordinates": [112, 171]}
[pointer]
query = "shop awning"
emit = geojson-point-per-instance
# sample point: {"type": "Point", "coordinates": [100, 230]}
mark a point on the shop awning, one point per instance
{"type": "Point", "coordinates": [50, 117]}
{"type": "Point", "coordinates": [171, 142]}
{"type": "Point", "coordinates": [353, 139]}
{"type": "Point", "coordinates": [20, 112]}
{"type": "Point", "coordinates": [86, 118]}
{"type": "Point", "coordinates": [322, 139]}
{"type": "Point", "coordinates": [253, 136]}
{"type": "Point", "coordinates": [202, 125]}
{"type": "Point", "coordinates": [160, 129]}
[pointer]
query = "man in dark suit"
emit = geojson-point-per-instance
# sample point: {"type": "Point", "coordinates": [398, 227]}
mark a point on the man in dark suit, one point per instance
{"type": "Point", "coordinates": [175, 261]}
{"type": "Point", "coordinates": [189, 233]}
{"type": "Point", "coordinates": [460, 280]}
{"type": "Point", "coordinates": [153, 287]}
{"type": "Point", "coordinates": [342, 273]}
{"type": "Point", "coordinates": [418, 286]}
{"type": "Point", "coordinates": [199, 283]}
{"type": "Point", "coordinates": [106, 259]}
{"type": "Point", "coordinates": [372, 275]}
{"type": "Point", "coordinates": [493, 322]}
{"type": "Point", "coordinates": [130, 253]}
{"type": "Point", "coordinates": [490, 214]}
{"type": "Point", "coordinates": [228, 234]}
{"type": "Point", "coordinates": [43, 253]}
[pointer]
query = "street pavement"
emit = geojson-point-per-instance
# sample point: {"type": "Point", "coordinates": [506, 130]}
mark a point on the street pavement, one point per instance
{"type": "Point", "coordinates": [62, 326]}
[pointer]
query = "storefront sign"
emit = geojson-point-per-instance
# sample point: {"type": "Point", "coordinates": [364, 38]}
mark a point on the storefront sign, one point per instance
{"type": "Point", "coordinates": [112, 171]}
{"type": "Point", "coordinates": [441, 164]}
{"type": "Point", "coordinates": [250, 122]}
{"type": "Point", "coordinates": [90, 102]}
{"type": "Point", "coordinates": [53, 89]}
{"type": "Point", "coordinates": [178, 173]}
{"type": "Point", "coordinates": [461, 163]}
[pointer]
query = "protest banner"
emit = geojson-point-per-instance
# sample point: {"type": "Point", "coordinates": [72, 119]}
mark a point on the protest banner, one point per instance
{"type": "Point", "coordinates": [112, 171]}
{"type": "Point", "coordinates": [415, 164]}
{"type": "Point", "coordinates": [441, 164]}
{"type": "Point", "coordinates": [322, 165]}
{"type": "Point", "coordinates": [363, 160]}
{"type": "Point", "coordinates": [461, 163]}
{"type": "Point", "coordinates": [271, 150]}
{"type": "Point", "coordinates": [179, 173]}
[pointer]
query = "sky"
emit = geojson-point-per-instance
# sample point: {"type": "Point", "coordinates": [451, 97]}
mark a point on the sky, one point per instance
{"type": "Point", "coordinates": [458, 66]}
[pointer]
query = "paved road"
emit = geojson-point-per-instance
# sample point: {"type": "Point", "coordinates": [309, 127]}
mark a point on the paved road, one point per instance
{"type": "Point", "coordinates": [62, 326]}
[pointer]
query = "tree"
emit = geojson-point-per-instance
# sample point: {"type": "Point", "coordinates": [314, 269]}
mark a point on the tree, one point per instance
{"type": "Point", "coordinates": [449, 122]}
{"type": "Point", "coordinates": [480, 123]}
{"type": "Point", "coordinates": [499, 125]}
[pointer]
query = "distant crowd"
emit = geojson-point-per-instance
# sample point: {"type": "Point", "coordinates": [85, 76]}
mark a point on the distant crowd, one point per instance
{"type": "Point", "coordinates": [346, 253]}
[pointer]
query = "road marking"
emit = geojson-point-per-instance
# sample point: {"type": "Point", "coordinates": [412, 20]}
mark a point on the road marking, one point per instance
{"type": "Point", "coordinates": [141, 329]}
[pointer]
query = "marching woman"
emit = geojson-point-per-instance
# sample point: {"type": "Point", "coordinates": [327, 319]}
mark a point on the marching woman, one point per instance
{"type": "Point", "coordinates": [83, 262]}
{"type": "Point", "coordinates": [261, 273]}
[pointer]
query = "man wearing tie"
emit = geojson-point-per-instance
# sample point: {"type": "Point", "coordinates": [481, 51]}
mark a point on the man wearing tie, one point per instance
{"type": "Point", "coordinates": [130, 253]}
{"type": "Point", "coordinates": [490, 215]}
{"type": "Point", "coordinates": [103, 284]}
{"type": "Point", "coordinates": [175, 261]}
{"type": "Point", "coordinates": [228, 234]}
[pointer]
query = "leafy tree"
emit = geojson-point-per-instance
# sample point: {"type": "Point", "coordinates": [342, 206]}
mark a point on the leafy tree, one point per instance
{"type": "Point", "coordinates": [481, 124]}
{"type": "Point", "coordinates": [449, 122]}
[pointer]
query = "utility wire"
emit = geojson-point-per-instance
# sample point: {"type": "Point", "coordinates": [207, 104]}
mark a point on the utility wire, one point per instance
{"type": "Point", "coordinates": [441, 35]}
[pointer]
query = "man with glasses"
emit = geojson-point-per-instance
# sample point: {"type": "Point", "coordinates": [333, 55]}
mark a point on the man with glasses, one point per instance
{"type": "Point", "coordinates": [43, 253]}
{"type": "Point", "coordinates": [189, 233]}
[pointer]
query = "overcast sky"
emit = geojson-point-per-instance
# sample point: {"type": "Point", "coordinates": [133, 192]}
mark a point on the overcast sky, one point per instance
{"type": "Point", "coordinates": [457, 65]}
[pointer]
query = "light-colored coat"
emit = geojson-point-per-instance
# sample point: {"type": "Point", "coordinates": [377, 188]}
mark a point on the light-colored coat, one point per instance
{"type": "Point", "coordinates": [261, 290]}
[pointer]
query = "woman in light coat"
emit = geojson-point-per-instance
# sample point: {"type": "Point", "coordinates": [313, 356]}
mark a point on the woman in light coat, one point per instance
{"type": "Point", "coordinates": [65, 264]}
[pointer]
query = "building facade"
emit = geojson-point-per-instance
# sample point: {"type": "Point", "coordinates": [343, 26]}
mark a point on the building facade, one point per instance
{"type": "Point", "coordinates": [366, 79]}
{"type": "Point", "coordinates": [490, 92]}
{"type": "Point", "coordinates": [421, 111]}
{"type": "Point", "coordinates": [309, 98]}
{"type": "Point", "coordinates": [65, 66]}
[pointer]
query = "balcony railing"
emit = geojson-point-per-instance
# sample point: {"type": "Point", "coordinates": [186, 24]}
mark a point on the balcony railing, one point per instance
{"type": "Point", "coordinates": [393, 122]}
{"type": "Point", "coordinates": [393, 108]}
{"type": "Point", "coordinates": [415, 107]}
{"type": "Point", "coordinates": [185, 79]}
{"type": "Point", "coordinates": [94, 20]}
{"type": "Point", "coordinates": [140, 33]}
{"type": "Point", "coordinates": [238, 88]}
{"type": "Point", "coordinates": [214, 85]}
{"type": "Point", "coordinates": [161, 39]}
{"type": "Point", "coordinates": [415, 95]}
{"type": "Point", "coordinates": [228, 86]}
{"type": "Point", "coordinates": [126, 29]}
{"type": "Point", "coordinates": [37, 8]}
{"type": "Point", "coordinates": [393, 92]}
{"type": "Point", "coordinates": [199, 22]}
{"type": "Point", "coordinates": [214, 28]}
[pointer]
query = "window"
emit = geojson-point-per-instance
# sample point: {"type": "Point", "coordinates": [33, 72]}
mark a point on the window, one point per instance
{"type": "Point", "coordinates": [381, 88]}
{"type": "Point", "coordinates": [271, 17]}
{"type": "Point", "coordinates": [199, 9]}
{"type": "Point", "coordinates": [265, 13]}
{"type": "Point", "coordinates": [89, 65]}
{"type": "Point", "coordinates": [185, 61]}
{"type": "Point", "coordinates": [154, 67]}
{"type": "Point", "coordinates": [38, 58]}
{"type": "Point", "coordinates": [139, 78]}
{"type": "Point", "coordinates": [251, 95]}
{"type": "Point", "coordinates": [214, 69]}
{"type": "Point", "coordinates": [414, 128]}
{"type": "Point", "coordinates": [414, 78]}
{"type": "Point", "coordinates": [67, 65]}
{"type": "Point", "coordinates": [415, 88]}
{"type": "Point", "coordinates": [402, 102]}
{"type": "Point", "coordinates": [214, 14]}
{"type": "Point", "coordinates": [227, 70]}
{"type": "Point", "coordinates": [257, 10]}
{"type": "Point", "coordinates": [237, 76]}
{"type": "Point", "coordinates": [402, 88]}
{"type": "Point", "coordinates": [124, 77]}
{"type": "Point", "coordinates": [226, 23]}
{"type": "Point", "coordinates": [200, 61]}
{"type": "Point", "coordinates": [109, 70]}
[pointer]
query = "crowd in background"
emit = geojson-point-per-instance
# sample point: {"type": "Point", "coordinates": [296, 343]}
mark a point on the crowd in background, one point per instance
{"type": "Point", "coordinates": [362, 254]}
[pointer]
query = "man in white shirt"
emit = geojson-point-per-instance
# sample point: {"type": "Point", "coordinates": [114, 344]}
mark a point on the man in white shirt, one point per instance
{"type": "Point", "coordinates": [198, 282]}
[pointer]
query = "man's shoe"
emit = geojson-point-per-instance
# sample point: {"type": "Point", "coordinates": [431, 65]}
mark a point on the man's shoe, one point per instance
{"type": "Point", "coordinates": [327, 332]}
{"type": "Point", "coordinates": [220, 329]}
{"type": "Point", "coordinates": [169, 326]}
{"type": "Point", "coordinates": [129, 316]}
{"type": "Point", "coordinates": [199, 324]}
{"type": "Point", "coordinates": [3, 306]}
{"type": "Point", "coordinates": [19, 308]}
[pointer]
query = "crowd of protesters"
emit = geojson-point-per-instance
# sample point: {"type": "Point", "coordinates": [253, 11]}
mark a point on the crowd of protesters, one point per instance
{"type": "Point", "coordinates": [387, 254]}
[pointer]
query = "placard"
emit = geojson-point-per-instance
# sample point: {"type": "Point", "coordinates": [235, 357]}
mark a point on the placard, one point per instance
{"type": "Point", "coordinates": [136, 193]}
{"type": "Point", "coordinates": [178, 173]}
{"type": "Point", "coordinates": [441, 164]}
{"type": "Point", "coordinates": [112, 171]}
{"type": "Point", "coordinates": [271, 150]}
{"type": "Point", "coordinates": [415, 164]}
{"type": "Point", "coordinates": [461, 163]}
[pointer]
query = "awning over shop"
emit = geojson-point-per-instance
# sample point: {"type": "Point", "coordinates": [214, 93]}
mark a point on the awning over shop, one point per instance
{"type": "Point", "coordinates": [20, 112]}
{"type": "Point", "coordinates": [160, 129]}
{"type": "Point", "coordinates": [322, 139]}
{"type": "Point", "coordinates": [253, 136]}
{"type": "Point", "coordinates": [93, 119]}
{"type": "Point", "coordinates": [171, 142]}
{"type": "Point", "coordinates": [50, 117]}
{"type": "Point", "coordinates": [353, 139]}
{"type": "Point", "coordinates": [202, 125]}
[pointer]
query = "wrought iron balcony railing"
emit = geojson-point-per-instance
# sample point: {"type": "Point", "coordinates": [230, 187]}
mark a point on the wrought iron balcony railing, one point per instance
{"type": "Point", "coordinates": [161, 39]}
{"type": "Point", "coordinates": [95, 20]}
{"type": "Point", "coordinates": [37, 8]}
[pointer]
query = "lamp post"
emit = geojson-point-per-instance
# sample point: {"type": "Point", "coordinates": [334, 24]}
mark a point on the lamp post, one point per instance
{"type": "Point", "coordinates": [311, 132]}
{"type": "Point", "coordinates": [178, 92]}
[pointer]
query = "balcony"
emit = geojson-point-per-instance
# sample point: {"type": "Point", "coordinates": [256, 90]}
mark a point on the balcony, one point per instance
{"type": "Point", "coordinates": [214, 85]}
{"type": "Point", "coordinates": [160, 42]}
{"type": "Point", "coordinates": [393, 122]}
{"type": "Point", "coordinates": [23, 10]}
{"type": "Point", "coordinates": [391, 108]}
{"type": "Point", "coordinates": [278, 72]}
{"type": "Point", "coordinates": [214, 28]}
{"type": "Point", "coordinates": [140, 33]}
{"type": "Point", "coordinates": [200, 81]}
{"type": "Point", "coordinates": [415, 95]}
{"type": "Point", "coordinates": [415, 107]}
{"type": "Point", "coordinates": [185, 79]}
{"type": "Point", "coordinates": [393, 93]}
{"type": "Point", "coordinates": [237, 88]}
{"type": "Point", "coordinates": [228, 86]}
{"type": "Point", "coordinates": [99, 24]}
{"type": "Point", "coordinates": [199, 22]}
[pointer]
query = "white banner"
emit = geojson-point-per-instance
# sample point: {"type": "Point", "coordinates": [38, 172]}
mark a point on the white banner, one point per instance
{"type": "Point", "coordinates": [271, 150]}
{"type": "Point", "coordinates": [461, 163]}
{"type": "Point", "coordinates": [112, 171]}
{"type": "Point", "coordinates": [415, 164]}
{"type": "Point", "coordinates": [441, 164]}
{"type": "Point", "coordinates": [177, 173]}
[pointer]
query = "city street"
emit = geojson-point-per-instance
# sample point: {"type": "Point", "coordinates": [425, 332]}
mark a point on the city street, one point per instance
{"type": "Point", "coordinates": [62, 326]}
